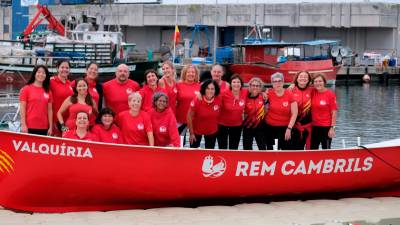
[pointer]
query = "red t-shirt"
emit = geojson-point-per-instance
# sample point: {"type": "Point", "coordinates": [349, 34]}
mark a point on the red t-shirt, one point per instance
{"type": "Point", "coordinates": [172, 92]}
{"type": "Point", "coordinates": [147, 96]}
{"type": "Point", "coordinates": [91, 89]}
{"type": "Point", "coordinates": [37, 101]}
{"type": "Point", "coordinates": [303, 99]}
{"type": "Point", "coordinates": [74, 109]}
{"type": "Point", "coordinates": [134, 128]}
{"type": "Point", "coordinates": [232, 108]}
{"type": "Point", "coordinates": [254, 111]}
{"type": "Point", "coordinates": [224, 86]}
{"type": "Point", "coordinates": [279, 108]}
{"type": "Point", "coordinates": [164, 128]}
{"type": "Point", "coordinates": [112, 135]}
{"type": "Point", "coordinates": [60, 92]}
{"type": "Point", "coordinates": [71, 134]}
{"type": "Point", "coordinates": [205, 119]}
{"type": "Point", "coordinates": [186, 93]}
{"type": "Point", "coordinates": [116, 94]}
{"type": "Point", "coordinates": [322, 105]}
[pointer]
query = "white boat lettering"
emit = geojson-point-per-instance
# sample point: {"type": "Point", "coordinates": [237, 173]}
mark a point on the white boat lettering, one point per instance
{"type": "Point", "coordinates": [304, 167]}
{"type": "Point", "coordinates": [52, 149]}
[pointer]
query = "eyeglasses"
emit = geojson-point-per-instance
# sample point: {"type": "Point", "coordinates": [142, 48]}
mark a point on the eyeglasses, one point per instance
{"type": "Point", "coordinates": [255, 85]}
{"type": "Point", "coordinates": [277, 81]}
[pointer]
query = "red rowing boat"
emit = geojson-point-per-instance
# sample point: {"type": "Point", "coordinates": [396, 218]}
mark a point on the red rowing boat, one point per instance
{"type": "Point", "coordinates": [47, 174]}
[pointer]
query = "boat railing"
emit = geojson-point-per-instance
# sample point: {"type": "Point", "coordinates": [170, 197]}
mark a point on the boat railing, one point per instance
{"type": "Point", "coordinates": [9, 111]}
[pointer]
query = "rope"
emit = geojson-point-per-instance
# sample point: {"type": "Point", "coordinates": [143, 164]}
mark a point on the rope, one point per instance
{"type": "Point", "coordinates": [380, 158]}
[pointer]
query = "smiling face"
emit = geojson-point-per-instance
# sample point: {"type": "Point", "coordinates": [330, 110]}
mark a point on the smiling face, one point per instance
{"type": "Point", "coordinates": [151, 79]}
{"type": "Point", "coordinates": [82, 120]}
{"type": "Point", "coordinates": [81, 87]}
{"type": "Point", "coordinates": [319, 83]}
{"type": "Point", "coordinates": [107, 120]}
{"type": "Point", "coordinates": [303, 80]}
{"type": "Point", "coordinates": [40, 75]}
{"type": "Point", "coordinates": [63, 70]}
{"type": "Point", "coordinates": [92, 72]}
{"type": "Point", "coordinates": [135, 102]}
{"type": "Point", "coordinates": [255, 88]}
{"type": "Point", "coordinates": [122, 73]}
{"type": "Point", "coordinates": [191, 74]}
{"type": "Point", "coordinates": [277, 83]}
{"type": "Point", "coordinates": [161, 104]}
{"type": "Point", "coordinates": [210, 91]}
{"type": "Point", "coordinates": [236, 84]}
{"type": "Point", "coordinates": [217, 72]}
{"type": "Point", "coordinates": [168, 71]}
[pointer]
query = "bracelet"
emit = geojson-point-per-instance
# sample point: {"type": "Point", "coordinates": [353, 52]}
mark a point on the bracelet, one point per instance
{"type": "Point", "coordinates": [289, 128]}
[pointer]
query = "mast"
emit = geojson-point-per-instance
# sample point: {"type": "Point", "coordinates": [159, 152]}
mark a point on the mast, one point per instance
{"type": "Point", "coordinates": [215, 32]}
{"type": "Point", "coordinates": [176, 24]}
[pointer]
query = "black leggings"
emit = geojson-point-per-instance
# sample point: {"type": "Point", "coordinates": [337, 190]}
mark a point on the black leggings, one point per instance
{"type": "Point", "coordinates": [277, 132]}
{"type": "Point", "coordinates": [38, 131]}
{"type": "Point", "coordinates": [234, 136]}
{"type": "Point", "coordinates": [299, 140]}
{"type": "Point", "coordinates": [319, 135]}
{"type": "Point", "coordinates": [209, 141]}
{"type": "Point", "coordinates": [250, 133]}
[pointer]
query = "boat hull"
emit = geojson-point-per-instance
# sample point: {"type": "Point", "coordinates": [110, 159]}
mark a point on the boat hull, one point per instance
{"type": "Point", "coordinates": [288, 69]}
{"type": "Point", "coordinates": [47, 174]}
{"type": "Point", "coordinates": [22, 73]}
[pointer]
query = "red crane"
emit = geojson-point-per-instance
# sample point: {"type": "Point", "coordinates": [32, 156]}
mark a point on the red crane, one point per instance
{"type": "Point", "coordinates": [54, 24]}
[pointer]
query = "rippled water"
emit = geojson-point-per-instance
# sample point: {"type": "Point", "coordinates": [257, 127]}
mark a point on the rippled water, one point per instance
{"type": "Point", "coordinates": [369, 111]}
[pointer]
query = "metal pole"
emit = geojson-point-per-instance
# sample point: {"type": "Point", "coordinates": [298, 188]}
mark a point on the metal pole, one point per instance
{"type": "Point", "coordinates": [215, 32]}
{"type": "Point", "coordinates": [176, 24]}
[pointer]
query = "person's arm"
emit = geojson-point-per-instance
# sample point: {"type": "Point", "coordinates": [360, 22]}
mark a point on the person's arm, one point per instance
{"type": "Point", "coordinates": [192, 137]}
{"type": "Point", "coordinates": [50, 117]}
{"type": "Point", "coordinates": [22, 110]}
{"type": "Point", "coordinates": [332, 132]}
{"type": "Point", "coordinates": [293, 116]}
{"type": "Point", "coordinates": [63, 108]}
{"type": "Point", "coordinates": [150, 136]}
{"type": "Point", "coordinates": [161, 83]}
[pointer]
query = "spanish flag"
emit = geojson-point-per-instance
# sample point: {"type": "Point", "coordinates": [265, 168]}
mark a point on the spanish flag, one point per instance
{"type": "Point", "coordinates": [177, 35]}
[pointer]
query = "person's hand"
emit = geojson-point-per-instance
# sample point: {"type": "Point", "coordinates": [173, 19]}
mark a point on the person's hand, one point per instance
{"type": "Point", "coordinates": [192, 138]}
{"type": "Point", "coordinates": [331, 133]}
{"type": "Point", "coordinates": [50, 131]}
{"type": "Point", "coordinates": [24, 128]}
{"type": "Point", "coordinates": [288, 134]}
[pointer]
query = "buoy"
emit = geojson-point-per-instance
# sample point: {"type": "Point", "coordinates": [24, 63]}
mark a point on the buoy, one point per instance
{"type": "Point", "coordinates": [366, 78]}
{"type": "Point", "coordinates": [9, 79]}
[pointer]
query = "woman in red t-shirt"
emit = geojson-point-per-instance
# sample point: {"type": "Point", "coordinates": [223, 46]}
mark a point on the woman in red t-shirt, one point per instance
{"type": "Point", "coordinates": [187, 88]}
{"type": "Point", "coordinates": [61, 89]}
{"type": "Point", "coordinates": [253, 124]}
{"type": "Point", "coordinates": [81, 100]}
{"type": "Point", "coordinates": [164, 122]}
{"type": "Point", "coordinates": [149, 88]}
{"type": "Point", "coordinates": [202, 118]}
{"type": "Point", "coordinates": [281, 114]}
{"type": "Point", "coordinates": [36, 103]}
{"type": "Point", "coordinates": [323, 113]}
{"type": "Point", "coordinates": [107, 131]}
{"type": "Point", "coordinates": [81, 131]}
{"type": "Point", "coordinates": [135, 123]}
{"type": "Point", "coordinates": [94, 89]}
{"type": "Point", "coordinates": [231, 116]}
{"type": "Point", "coordinates": [302, 93]}
{"type": "Point", "coordinates": [168, 82]}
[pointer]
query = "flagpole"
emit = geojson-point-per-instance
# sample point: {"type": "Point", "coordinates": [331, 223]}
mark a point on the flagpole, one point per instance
{"type": "Point", "coordinates": [215, 32]}
{"type": "Point", "coordinates": [176, 24]}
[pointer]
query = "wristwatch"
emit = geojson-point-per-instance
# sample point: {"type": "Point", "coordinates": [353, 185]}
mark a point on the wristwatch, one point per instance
{"type": "Point", "coordinates": [333, 127]}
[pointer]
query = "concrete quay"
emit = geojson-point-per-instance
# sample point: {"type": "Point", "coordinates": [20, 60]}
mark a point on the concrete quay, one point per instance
{"type": "Point", "coordinates": [360, 211]}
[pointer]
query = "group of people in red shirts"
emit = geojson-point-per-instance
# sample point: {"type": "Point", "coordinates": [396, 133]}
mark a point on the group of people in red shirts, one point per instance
{"type": "Point", "coordinates": [302, 116]}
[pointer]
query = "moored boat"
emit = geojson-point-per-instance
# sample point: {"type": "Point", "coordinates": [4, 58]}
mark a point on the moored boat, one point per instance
{"type": "Point", "coordinates": [80, 46]}
{"type": "Point", "coordinates": [261, 57]}
{"type": "Point", "coordinates": [48, 174]}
